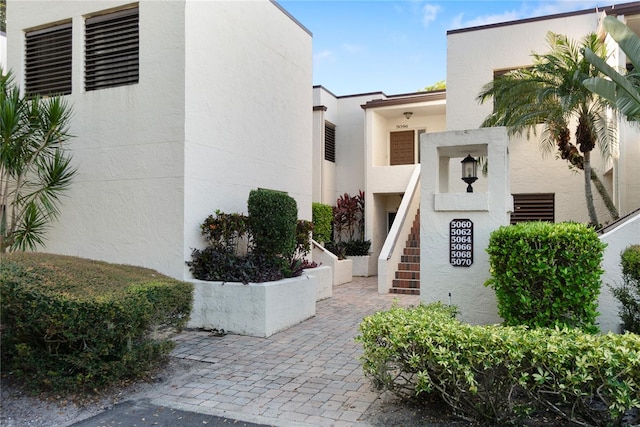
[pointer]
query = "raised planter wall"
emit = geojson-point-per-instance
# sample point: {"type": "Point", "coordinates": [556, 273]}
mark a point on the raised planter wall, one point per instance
{"type": "Point", "coordinates": [255, 309]}
{"type": "Point", "coordinates": [342, 269]}
{"type": "Point", "coordinates": [324, 281]}
{"type": "Point", "coordinates": [364, 265]}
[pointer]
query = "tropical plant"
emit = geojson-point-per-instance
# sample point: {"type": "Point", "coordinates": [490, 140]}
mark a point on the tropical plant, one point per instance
{"type": "Point", "coordinates": [622, 91]}
{"type": "Point", "coordinates": [628, 293]}
{"type": "Point", "coordinates": [439, 85]}
{"type": "Point", "coordinates": [550, 93]}
{"type": "Point", "coordinates": [35, 169]}
{"type": "Point", "coordinates": [348, 216]}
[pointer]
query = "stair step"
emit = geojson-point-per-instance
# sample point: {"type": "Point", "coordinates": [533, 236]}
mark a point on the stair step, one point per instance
{"type": "Point", "coordinates": [407, 279]}
{"type": "Point", "coordinates": [411, 251]}
{"type": "Point", "coordinates": [409, 266]}
{"type": "Point", "coordinates": [406, 283]}
{"type": "Point", "coordinates": [412, 275]}
{"type": "Point", "coordinates": [404, 291]}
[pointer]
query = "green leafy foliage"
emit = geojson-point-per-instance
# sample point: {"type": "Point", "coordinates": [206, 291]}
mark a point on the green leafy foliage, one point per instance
{"type": "Point", "coordinates": [273, 217]}
{"type": "Point", "coordinates": [75, 325]}
{"type": "Point", "coordinates": [348, 217]}
{"type": "Point", "coordinates": [546, 274]}
{"type": "Point", "coordinates": [550, 96]}
{"type": "Point", "coordinates": [321, 217]}
{"type": "Point", "coordinates": [213, 264]}
{"type": "Point", "coordinates": [35, 167]}
{"type": "Point", "coordinates": [304, 230]}
{"type": "Point", "coordinates": [621, 90]}
{"type": "Point", "coordinates": [226, 259]}
{"type": "Point", "coordinates": [629, 292]}
{"type": "Point", "coordinates": [225, 231]}
{"type": "Point", "coordinates": [349, 248]}
{"type": "Point", "coordinates": [499, 375]}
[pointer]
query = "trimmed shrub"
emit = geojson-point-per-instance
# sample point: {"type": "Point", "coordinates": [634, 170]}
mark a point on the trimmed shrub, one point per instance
{"type": "Point", "coordinates": [322, 215]}
{"type": "Point", "coordinates": [304, 230]}
{"type": "Point", "coordinates": [546, 275]}
{"type": "Point", "coordinates": [76, 325]}
{"type": "Point", "coordinates": [217, 265]}
{"type": "Point", "coordinates": [222, 261]}
{"type": "Point", "coordinates": [357, 247]}
{"type": "Point", "coordinates": [498, 375]}
{"type": "Point", "coordinates": [629, 292]}
{"type": "Point", "coordinates": [273, 216]}
{"type": "Point", "coordinates": [225, 231]}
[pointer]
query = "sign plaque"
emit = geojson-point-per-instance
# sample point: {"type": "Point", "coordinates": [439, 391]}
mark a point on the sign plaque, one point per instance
{"type": "Point", "coordinates": [461, 242]}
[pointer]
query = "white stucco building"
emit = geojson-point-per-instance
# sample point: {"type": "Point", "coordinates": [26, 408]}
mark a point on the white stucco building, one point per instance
{"type": "Point", "coordinates": [210, 100]}
{"type": "Point", "coordinates": [373, 146]}
{"type": "Point", "coordinates": [181, 108]}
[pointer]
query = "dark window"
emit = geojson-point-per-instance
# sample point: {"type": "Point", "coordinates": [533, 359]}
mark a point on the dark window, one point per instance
{"type": "Point", "coordinates": [329, 142]}
{"type": "Point", "coordinates": [112, 48]}
{"type": "Point", "coordinates": [533, 207]}
{"type": "Point", "coordinates": [402, 148]}
{"type": "Point", "coordinates": [48, 60]}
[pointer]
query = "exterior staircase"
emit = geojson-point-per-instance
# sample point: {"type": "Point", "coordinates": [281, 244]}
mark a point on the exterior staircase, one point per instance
{"type": "Point", "coordinates": [407, 279]}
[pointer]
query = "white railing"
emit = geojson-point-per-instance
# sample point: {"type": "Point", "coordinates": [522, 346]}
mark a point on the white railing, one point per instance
{"type": "Point", "coordinates": [391, 251]}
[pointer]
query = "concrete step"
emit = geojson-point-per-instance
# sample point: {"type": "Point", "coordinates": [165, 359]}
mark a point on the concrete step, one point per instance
{"type": "Point", "coordinates": [406, 283]}
{"type": "Point", "coordinates": [404, 291]}
{"type": "Point", "coordinates": [409, 266]}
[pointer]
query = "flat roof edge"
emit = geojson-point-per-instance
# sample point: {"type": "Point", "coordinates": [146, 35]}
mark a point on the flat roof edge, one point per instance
{"type": "Point", "coordinates": [619, 9]}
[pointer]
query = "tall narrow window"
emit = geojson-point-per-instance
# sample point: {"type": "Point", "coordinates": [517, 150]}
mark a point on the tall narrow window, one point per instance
{"type": "Point", "coordinates": [329, 142]}
{"type": "Point", "coordinates": [48, 60]}
{"type": "Point", "coordinates": [112, 49]}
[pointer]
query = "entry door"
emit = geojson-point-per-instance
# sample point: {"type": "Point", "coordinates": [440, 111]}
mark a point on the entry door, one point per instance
{"type": "Point", "coordinates": [401, 150]}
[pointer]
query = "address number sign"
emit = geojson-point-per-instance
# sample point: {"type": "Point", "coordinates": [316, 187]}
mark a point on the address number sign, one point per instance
{"type": "Point", "coordinates": [461, 242]}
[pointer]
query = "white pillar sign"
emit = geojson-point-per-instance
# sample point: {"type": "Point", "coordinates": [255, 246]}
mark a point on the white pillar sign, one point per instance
{"type": "Point", "coordinates": [461, 242]}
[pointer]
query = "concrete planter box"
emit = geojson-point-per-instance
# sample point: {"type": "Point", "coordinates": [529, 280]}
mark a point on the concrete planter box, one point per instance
{"type": "Point", "coordinates": [255, 309]}
{"type": "Point", "coordinates": [344, 271]}
{"type": "Point", "coordinates": [324, 281]}
{"type": "Point", "coordinates": [342, 268]}
{"type": "Point", "coordinates": [363, 265]}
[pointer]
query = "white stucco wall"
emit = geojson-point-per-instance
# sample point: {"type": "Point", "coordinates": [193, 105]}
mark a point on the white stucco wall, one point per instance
{"type": "Point", "coordinates": [3, 51]}
{"type": "Point", "coordinates": [350, 140]}
{"type": "Point", "coordinates": [126, 202]}
{"type": "Point", "coordinates": [439, 280]}
{"type": "Point", "coordinates": [324, 171]}
{"type": "Point", "coordinates": [473, 56]}
{"type": "Point", "coordinates": [617, 240]}
{"type": "Point", "coordinates": [223, 106]}
{"type": "Point", "coordinates": [248, 109]}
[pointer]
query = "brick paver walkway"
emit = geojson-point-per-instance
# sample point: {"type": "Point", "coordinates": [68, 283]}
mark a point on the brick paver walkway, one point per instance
{"type": "Point", "coordinates": [309, 374]}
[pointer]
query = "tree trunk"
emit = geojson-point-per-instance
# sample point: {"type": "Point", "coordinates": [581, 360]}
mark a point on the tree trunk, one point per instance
{"type": "Point", "coordinates": [593, 217]}
{"type": "Point", "coordinates": [608, 202]}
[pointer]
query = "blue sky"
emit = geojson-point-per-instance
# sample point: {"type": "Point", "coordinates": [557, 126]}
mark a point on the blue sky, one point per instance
{"type": "Point", "coordinates": [399, 46]}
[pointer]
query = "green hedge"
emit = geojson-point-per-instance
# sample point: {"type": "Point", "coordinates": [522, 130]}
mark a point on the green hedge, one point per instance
{"type": "Point", "coordinates": [273, 217]}
{"type": "Point", "coordinates": [628, 293]}
{"type": "Point", "coordinates": [501, 374]}
{"type": "Point", "coordinates": [71, 324]}
{"type": "Point", "coordinates": [546, 274]}
{"type": "Point", "coordinates": [322, 216]}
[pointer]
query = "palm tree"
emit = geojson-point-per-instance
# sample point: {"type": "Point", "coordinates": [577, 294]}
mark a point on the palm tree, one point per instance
{"type": "Point", "coordinates": [551, 94]}
{"type": "Point", "coordinates": [34, 168]}
{"type": "Point", "coordinates": [622, 91]}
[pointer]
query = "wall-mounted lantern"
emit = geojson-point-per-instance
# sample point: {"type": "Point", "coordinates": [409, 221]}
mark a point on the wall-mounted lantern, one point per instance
{"type": "Point", "coordinates": [469, 171]}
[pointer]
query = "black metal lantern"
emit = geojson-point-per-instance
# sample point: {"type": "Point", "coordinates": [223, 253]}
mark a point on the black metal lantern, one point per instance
{"type": "Point", "coordinates": [469, 171]}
